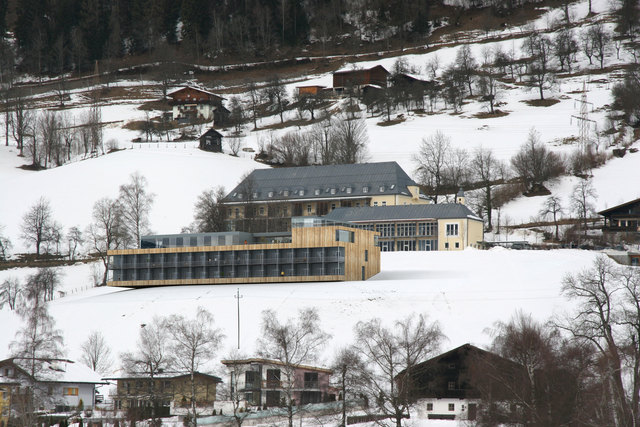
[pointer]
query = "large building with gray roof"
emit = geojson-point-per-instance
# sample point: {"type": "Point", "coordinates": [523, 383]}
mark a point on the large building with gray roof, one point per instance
{"type": "Point", "coordinates": [445, 226]}
{"type": "Point", "coordinates": [266, 199]}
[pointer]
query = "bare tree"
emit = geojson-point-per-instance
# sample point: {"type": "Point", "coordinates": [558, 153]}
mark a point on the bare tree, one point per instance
{"type": "Point", "coordinates": [21, 121]}
{"type": "Point", "coordinates": [348, 366]}
{"type": "Point", "coordinates": [539, 48]}
{"type": "Point", "coordinates": [432, 160]}
{"type": "Point", "coordinates": [5, 245]}
{"type": "Point", "coordinates": [291, 149]}
{"type": "Point", "coordinates": [107, 230]}
{"type": "Point", "coordinates": [37, 224]}
{"type": "Point", "coordinates": [276, 93]}
{"type": "Point", "coordinates": [151, 357]}
{"type": "Point", "coordinates": [75, 239]}
{"type": "Point", "coordinates": [210, 212]}
{"type": "Point", "coordinates": [254, 101]}
{"type": "Point", "coordinates": [535, 164]}
{"type": "Point", "coordinates": [136, 203]}
{"type": "Point", "coordinates": [553, 208]}
{"type": "Point", "coordinates": [488, 79]}
{"type": "Point", "coordinates": [237, 116]}
{"type": "Point", "coordinates": [42, 284]}
{"type": "Point", "coordinates": [599, 38]}
{"type": "Point", "coordinates": [292, 343]}
{"type": "Point", "coordinates": [194, 343]}
{"type": "Point", "coordinates": [594, 321]}
{"type": "Point", "coordinates": [96, 353]}
{"type": "Point", "coordinates": [351, 139]}
{"type": "Point", "coordinates": [10, 292]}
{"type": "Point", "coordinates": [466, 65]}
{"type": "Point", "coordinates": [565, 48]}
{"type": "Point", "coordinates": [390, 356]}
{"type": "Point", "coordinates": [487, 170]}
{"type": "Point", "coordinates": [582, 198]}
{"type": "Point", "coordinates": [231, 391]}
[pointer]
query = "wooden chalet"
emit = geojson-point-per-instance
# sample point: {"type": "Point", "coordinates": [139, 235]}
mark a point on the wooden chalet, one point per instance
{"type": "Point", "coordinates": [211, 140]}
{"type": "Point", "coordinates": [377, 76]}
{"type": "Point", "coordinates": [622, 218]}
{"type": "Point", "coordinates": [190, 104]}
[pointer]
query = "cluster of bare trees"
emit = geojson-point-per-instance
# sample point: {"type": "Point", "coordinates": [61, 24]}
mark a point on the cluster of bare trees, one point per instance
{"type": "Point", "coordinates": [115, 223]}
{"type": "Point", "coordinates": [442, 170]}
{"type": "Point", "coordinates": [51, 138]}
{"type": "Point", "coordinates": [339, 140]}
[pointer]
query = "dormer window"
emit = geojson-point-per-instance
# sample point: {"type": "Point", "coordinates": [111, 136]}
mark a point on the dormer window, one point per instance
{"type": "Point", "coordinates": [285, 193]}
{"type": "Point", "coordinates": [234, 194]}
{"type": "Point", "coordinates": [255, 195]}
{"type": "Point", "coordinates": [365, 189]}
{"type": "Point", "coordinates": [348, 190]}
{"type": "Point", "coordinates": [270, 194]}
{"type": "Point", "coordinates": [301, 192]}
{"type": "Point", "coordinates": [317, 192]}
{"type": "Point", "coordinates": [382, 188]}
{"type": "Point", "coordinates": [333, 191]}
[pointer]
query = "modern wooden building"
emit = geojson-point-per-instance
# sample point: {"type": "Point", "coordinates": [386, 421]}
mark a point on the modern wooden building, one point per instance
{"type": "Point", "coordinates": [312, 90]}
{"type": "Point", "coordinates": [434, 227]}
{"type": "Point", "coordinates": [266, 199]}
{"type": "Point", "coordinates": [211, 140]}
{"type": "Point", "coordinates": [377, 76]}
{"type": "Point", "coordinates": [165, 390]}
{"type": "Point", "coordinates": [315, 250]}
{"type": "Point", "coordinates": [263, 382]}
{"type": "Point", "coordinates": [624, 218]}
{"type": "Point", "coordinates": [191, 104]}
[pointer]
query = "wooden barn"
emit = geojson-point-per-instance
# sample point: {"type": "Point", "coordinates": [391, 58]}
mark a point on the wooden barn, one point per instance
{"type": "Point", "coordinates": [211, 140]}
{"type": "Point", "coordinates": [377, 75]}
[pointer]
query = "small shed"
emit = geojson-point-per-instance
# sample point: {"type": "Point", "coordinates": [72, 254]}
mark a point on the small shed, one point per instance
{"type": "Point", "coordinates": [211, 140]}
{"type": "Point", "coordinates": [312, 90]}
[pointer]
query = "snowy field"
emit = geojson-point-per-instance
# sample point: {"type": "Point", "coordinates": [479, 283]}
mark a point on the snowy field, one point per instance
{"type": "Point", "coordinates": [465, 292]}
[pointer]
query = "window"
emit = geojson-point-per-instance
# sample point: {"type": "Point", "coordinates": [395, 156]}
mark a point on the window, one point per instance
{"type": "Point", "coordinates": [384, 203]}
{"type": "Point", "coordinates": [365, 189]}
{"type": "Point", "coordinates": [452, 406]}
{"type": "Point", "coordinates": [308, 209]}
{"type": "Point", "coordinates": [427, 245]}
{"type": "Point", "coordinates": [70, 391]}
{"type": "Point", "coordinates": [261, 211]}
{"type": "Point", "coordinates": [348, 190]}
{"type": "Point", "coordinates": [345, 236]}
{"type": "Point", "coordinates": [237, 213]}
{"type": "Point", "coordinates": [357, 204]}
{"type": "Point", "coordinates": [386, 246]}
{"type": "Point", "coordinates": [429, 406]}
{"type": "Point", "coordinates": [333, 191]}
{"type": "Point", "coordinates": [301, 192]}
{"type": "Point", "coordinates": [451, 385]}
{"type": "Point", "coordinates": [317, 192]}
{"type": "Point", "coordinates": [406, 229]}
{"type": "Point", "coordinates": [285, 193]}
{"type": "Point", "coordinates": [193, 241]}
{"type": "Point", "coordinates": [179, 241]}
{"type": "Point", "coordinates": [427, 229]}
{"type": "Point", "coordinates": [375, 203]}
{"type": "Point", "coordinates": [452, 229]}
{"type": "Point", "coordinates": [446, 245]}
{"type": "Point", "coordinates": [457, 245]}
{"type": "Point", "coordinates": [382, 188]}
{"type": "Point", "coordinates": [366, 255]}
{"type": "Point", "coordinates": [386, 230]}
{"type": "Point", "coordinates": [333, 206]}
{"type": "Point", "coordinates": [270, 194]}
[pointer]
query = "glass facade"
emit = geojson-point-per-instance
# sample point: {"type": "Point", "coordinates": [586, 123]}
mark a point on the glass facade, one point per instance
{"type": "Point", "coordinates": [323, 261]}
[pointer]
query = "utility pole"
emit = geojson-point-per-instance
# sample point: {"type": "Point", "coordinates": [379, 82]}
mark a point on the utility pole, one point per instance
{"type": "Point", "coordinates": [238, 296]}
{"type": "Point", "coordinates": [584, 121]}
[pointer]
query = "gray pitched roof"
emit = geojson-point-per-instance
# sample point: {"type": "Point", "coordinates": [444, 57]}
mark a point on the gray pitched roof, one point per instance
{"type": "Point", "coordinates": [402, 212]}
{"type": "Point", "coordinates": [329, 182]}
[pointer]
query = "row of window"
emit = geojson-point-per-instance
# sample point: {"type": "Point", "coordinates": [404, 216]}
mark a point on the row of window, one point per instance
{"type": "Point", "coordinates": [317, 191]}
{"type": "Point", "coordinates": [408, 245]}
{"type": "Point", "coordinates": [404, 229]}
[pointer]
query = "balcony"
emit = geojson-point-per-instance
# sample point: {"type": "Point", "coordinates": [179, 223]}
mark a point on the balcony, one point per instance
{"type": "Point", "coordinates": [272, 384]}
{"type": "Point", "coordinates": [311, 384]}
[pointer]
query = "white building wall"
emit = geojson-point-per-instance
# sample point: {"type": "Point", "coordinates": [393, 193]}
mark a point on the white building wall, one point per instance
{"type": "Point", "coordinates": [441, 407]}
{"type": "Point", "coordinates": [85, 392]}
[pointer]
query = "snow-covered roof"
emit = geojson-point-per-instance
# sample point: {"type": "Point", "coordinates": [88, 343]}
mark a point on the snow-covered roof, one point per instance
{"type": "Point", "coordinates": [194, 88]}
